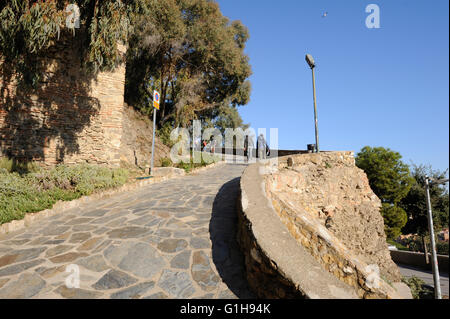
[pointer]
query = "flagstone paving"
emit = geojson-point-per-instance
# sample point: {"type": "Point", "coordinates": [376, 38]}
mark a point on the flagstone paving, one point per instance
{"type": "Point", "coordinates": [174, 239]}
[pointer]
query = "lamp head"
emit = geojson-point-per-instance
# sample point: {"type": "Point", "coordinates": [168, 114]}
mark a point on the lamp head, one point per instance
{"type": "Point", "coordinates": [309, 59]}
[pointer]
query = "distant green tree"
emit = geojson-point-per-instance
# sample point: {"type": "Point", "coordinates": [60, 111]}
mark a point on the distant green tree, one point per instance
{"type": "Point", "coordinates": [390, 180]}
{"type": "Point", "coordinates": [414, 203]}
{"type": "Point", "coordinates": [394, 219]}
{"type": "Point", "coordinates": [389, 177]}
{"type": "Point", "coordinates": [222, 117]}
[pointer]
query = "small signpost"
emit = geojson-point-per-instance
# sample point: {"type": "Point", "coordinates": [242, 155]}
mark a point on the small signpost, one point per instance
{"type": "Point", "coordinates": [156, 100]}
{"type": "Point", "coordinates": [156, 107]}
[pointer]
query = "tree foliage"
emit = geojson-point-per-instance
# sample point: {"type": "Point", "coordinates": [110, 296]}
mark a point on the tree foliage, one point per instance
{"type": "Point", "coordinates": [29, 27]}
{"type": "Point", "coordinates": [389, 177]}
{"type": "Point", "coordinates": [222, 117]}
{"type": "Point", "coordinates": [415, 201]}
{"type": "Point", "coordinates": [193, 55]}
{"type": "Point", "coordinates": [394, 219]}
{"type": "Point", "coordinates": [390, 180]}
{"type": "Point", "coordinates": [186, 49]}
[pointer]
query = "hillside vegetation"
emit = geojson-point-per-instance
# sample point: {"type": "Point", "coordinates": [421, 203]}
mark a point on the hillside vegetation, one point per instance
{"type": "Point", "coordinates": [23, 191]}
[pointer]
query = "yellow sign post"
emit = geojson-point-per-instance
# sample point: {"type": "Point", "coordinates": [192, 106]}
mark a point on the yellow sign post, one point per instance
{"type": "Point", "coordinates": [156, 106]}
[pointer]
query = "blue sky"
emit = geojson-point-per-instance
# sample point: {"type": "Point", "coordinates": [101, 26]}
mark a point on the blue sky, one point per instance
{"type": "Point", "coordinates": [378, 87]}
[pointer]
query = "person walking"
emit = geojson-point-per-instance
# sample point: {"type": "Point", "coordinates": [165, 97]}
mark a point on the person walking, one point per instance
{"type": "Point", "coordinates": [213, 146]}
{"type": "Point", "coordinates": [261, 147]}
{"type": "Point", "coordinates": [248, 145]}
{"type": "Point", "coordinates": [198, 144]}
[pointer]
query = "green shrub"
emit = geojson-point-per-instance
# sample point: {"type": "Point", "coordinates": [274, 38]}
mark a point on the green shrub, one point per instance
{"type": "Point", "coordinates": [417, 245]}
{"type": "Point", "coordinates": [415, 284]}
{"type": "Point", "coordinates": [191, 165]}
{"type": "Point", "coordinates": [442, 247]}
{"type": "Point", "coordinates": [418, 288]}
{"type": "Point", "coordinates": [39, 190]}
{"type": "Point", "coordinates": [164, 134]}
{"type": "Point", "coordinates": [186, 166]}
{"type": "Point", "coordinates": [396, 244]}
{"type": "Point", "coordinates": [18, 167]}
{"type": "Point", "coordinates": [166, 162]}
{"type": "Point", "coordinates": [6, 164]}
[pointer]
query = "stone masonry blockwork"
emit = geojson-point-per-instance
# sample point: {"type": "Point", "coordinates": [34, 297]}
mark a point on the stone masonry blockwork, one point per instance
{"type": "Point", "coordinates": [69, 118]}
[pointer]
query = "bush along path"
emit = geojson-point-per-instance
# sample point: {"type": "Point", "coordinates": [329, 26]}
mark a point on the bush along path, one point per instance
{"type": "Point", "coordinates": [174, 239]}
{"type": "Point", "coordinates": [32, 191]}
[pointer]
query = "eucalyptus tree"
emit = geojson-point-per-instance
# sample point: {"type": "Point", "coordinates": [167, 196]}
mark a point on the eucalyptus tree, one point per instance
{"type": "Point", "coordinates": [192, 54]}
{"type": "Point", "coordinates": [30, 27]}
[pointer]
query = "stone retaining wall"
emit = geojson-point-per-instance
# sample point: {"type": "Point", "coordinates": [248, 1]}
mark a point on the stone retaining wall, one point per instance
{"type": "Point", "coordinates": [290, 253]}
{"type": "Point", "coordinates": [276, 265]}
{"type": "Point", "coordinates": [331, 253]}
{"type": "Point", "coordinates": [262, 274]}
{"type": "Point", "coordinates": [328, 207]}
{"type": "Point", "coordinates": [416, 259]}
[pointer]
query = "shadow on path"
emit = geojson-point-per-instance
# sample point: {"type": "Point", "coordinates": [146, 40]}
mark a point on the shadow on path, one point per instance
{"type": "Point", "coordinates": [226, 253]}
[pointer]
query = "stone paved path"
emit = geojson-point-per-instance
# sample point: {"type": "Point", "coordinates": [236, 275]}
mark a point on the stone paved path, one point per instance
{"type": "Point", "coordinates": [174, 239]}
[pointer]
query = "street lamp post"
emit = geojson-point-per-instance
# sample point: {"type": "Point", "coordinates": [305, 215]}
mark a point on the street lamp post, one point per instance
{"type": "Point", "coordinates": [436, 279]}
{"type": "Point", "coordinates": [153, 141]}
{"type": "Point", "coordinates": [310, 61]}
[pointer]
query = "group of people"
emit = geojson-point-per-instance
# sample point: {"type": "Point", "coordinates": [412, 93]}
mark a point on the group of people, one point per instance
{"type": "Point", "coordinates": [262, 149]}
{"type": "Point", "coordinates": [205, 146]}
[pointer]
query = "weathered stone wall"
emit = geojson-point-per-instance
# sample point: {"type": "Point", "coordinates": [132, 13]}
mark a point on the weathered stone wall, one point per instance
{"type": "Point", "coordinates": [70, 117]}
{"type": "Point", "coordinates": [297, 230]}
{"type": "Point", "coordinates": [276, 265]}
{"type": "Point", "coordinates": [262, 273]}
{"type": "Point", "coordinates": [328, 207]}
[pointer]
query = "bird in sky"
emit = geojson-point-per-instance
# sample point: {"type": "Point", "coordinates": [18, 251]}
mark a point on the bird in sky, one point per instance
{"type": "Point", "coordinates": [324, 14]}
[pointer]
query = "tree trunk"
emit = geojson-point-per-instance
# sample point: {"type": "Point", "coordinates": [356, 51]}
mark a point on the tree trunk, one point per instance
{"type": "Point", "coordinates": [425, 250]}
{"type": "Point", "coordinates": [164, 95]}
